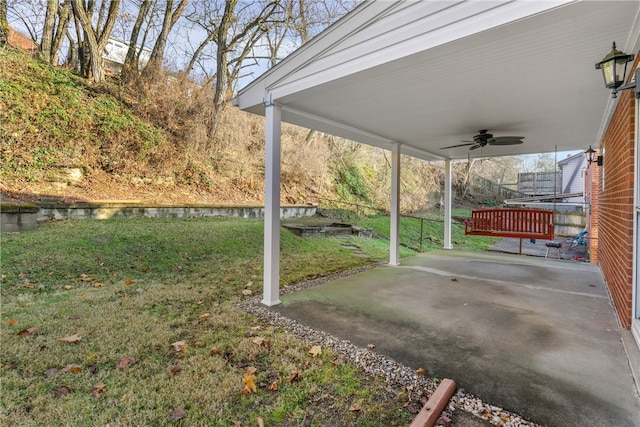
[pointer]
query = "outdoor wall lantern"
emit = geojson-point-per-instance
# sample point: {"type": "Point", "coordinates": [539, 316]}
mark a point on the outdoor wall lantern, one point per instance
{"type": "Point", "coordinates": [614, 71]}
{"type": "Point", "coordinates": [589, 154]}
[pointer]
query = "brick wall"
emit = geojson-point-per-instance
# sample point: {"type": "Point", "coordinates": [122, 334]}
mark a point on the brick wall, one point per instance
{"type": "Point", "coordinates": [612, 207]}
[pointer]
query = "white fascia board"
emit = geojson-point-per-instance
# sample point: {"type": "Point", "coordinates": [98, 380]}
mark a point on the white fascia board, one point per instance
{"type": "Point", "coordinates": [402, 40]}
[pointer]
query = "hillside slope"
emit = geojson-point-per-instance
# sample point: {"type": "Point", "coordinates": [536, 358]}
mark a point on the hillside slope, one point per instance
{"type": "Point", "coordinates": [148, 141]}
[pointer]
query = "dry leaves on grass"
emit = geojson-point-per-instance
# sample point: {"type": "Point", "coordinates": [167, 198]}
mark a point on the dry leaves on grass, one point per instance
{"type": "Point", "coordinates": [420, 371]}
{"type": "Point", "coordinates": [174, 370]}
{"type": "Point", "coordinates": [248, 378]}
{"type": "Point", "coordinates": [315, 351]}
{"type": "Point", "coordinates": [126, 362]}
{"type": "Point", "coordinates": [73, 368]}
{"type": "Point", "coordinates": [355, 407]}
{"type": "Point", "coordinates": [179, 346]}
{"type": "Point", "coordinates": [62, 391]}
{"type": "Point", "coordinates": [247, 292]}
{"type": "Point", "coordinates": [11, 322]}
{"type": "Point", "coordinates": [71, 339]}
{"type": "Point", "coordinates": [177, 414]}
{"type": "Point", "coordinates": [98, 389]}
{"type": "Point", "coordinates": [28, 332]}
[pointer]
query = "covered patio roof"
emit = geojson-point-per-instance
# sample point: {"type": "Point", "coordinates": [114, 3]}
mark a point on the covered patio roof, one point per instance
{"type": "Point", "coordinates": [429, 74]}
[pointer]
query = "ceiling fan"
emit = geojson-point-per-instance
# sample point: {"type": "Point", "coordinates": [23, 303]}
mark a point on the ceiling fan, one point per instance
{"type": "Point", "coordinates": [484, 138]}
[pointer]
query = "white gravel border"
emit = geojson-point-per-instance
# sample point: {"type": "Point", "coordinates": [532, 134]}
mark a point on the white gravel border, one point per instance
{"type": "Point", "coordinates": [396, 374]}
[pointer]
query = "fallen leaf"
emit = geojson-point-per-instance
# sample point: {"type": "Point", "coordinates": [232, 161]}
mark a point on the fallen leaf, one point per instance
{"type": "Point", "coordinates": [174, 370]}
{"type": "Point", "coordinates": [70, 339]}
{"type": "Point", "coordinates": [98, 389]}
{"type": "Point", "coordinates": [84, 278]}
{"type": "Point", "coordinates": [260, 422]}
{"type": "Point", "coordinates": [214, 351]}
{"type": "Point", "coordinates": [129, 282]}
{"type": "Point", "coordinates": [236, 423]}
{"type": "Point", "coordinates": [98, 285]}
{"type": "Point", "coordinates": [273, 386]}
{"type": "Point", "coordinates": [126, 362]}
{"type": "Point", "coordinates": [179, 346]}
{"type": "Point", "coordinates": [258, 340]}
{"type": "Point", "coordinates": [67, 287]}
{"type": "Point", "coordinates": [315, 351]}
{"type": "Point", "coordinates": [248, 379]}
{"type": "Point", "coordinates": [177, 414]}
{"type": "Point", "coordinates": [420, 371]}
{"type": "Point", "coordinates": [11, 322]}
{"type": "Point", "coordinates": [227, 278]}
{"type": "Point", "coordinates": [355, 407]}
{"type": "Point", "coordinates": [371, 346]}
{"type": "Point", "coordinates": [295, 376]}
{"type": "Point", "coordinates": [28, 332]}
{"type": "Point", "coordinates": [339, 361]}
{"type": "Point", "coordinates": [200, 302]}
{"type": "Point", "coordinates": [204, 316]}
{"type": "Point", "coordinates": [74, 368]}
{"type": "Point", "coordinates": [248, 285]}
{"type": "Point", "coordinates": [247, 292]}
{"type": "Point", "coordinates": [198, 344]}
{"type": "Point", "coordinates": [62, 391]}
{"type": "Point", "coordinates": [256, 328]}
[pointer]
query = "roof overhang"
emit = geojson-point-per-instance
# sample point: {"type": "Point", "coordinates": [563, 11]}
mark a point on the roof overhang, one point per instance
{"type": "Point", "coordinates": [430, 74]}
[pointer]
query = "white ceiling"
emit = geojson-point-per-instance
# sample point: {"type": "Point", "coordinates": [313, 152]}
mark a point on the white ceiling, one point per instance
{"type": "Point", "coordinates": [493, 65]}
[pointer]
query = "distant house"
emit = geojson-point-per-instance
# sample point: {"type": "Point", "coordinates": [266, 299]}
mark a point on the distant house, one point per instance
{"type": "Point", "coordinates": [17, 40]}
{"type": "Point", "coordinates": [115, 53]}
{"type": "Point", "coordinates": [572, 176]}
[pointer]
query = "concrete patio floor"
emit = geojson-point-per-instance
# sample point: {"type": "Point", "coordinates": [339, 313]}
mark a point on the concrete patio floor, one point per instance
{"type": "Point", "coordinates": [537, 337]}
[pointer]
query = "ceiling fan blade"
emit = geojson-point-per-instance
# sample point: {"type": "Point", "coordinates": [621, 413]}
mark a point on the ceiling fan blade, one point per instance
{"type": "Point", "coordinates": [505, 140]}
{"type": "Point", "coordinates": [456, 146]}
{"type": "Point", "coordinates": [475, 146]}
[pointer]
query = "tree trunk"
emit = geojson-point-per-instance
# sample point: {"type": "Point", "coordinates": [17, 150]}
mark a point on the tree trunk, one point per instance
{"type": "Point", "coordinates": [130, 68]}
{"type": "Point", "coordinates": [170, 18]}
{"type": "Point", "coordinates": [48, 30]}
{"type": "Point", "coordinates": [61, 31]}
{"type": "Point", "coordinates": [95, 41]}
{"type": "Point", "coordinates": [4, 25]}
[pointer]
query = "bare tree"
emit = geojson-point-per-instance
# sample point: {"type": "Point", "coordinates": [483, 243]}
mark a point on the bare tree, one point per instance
{"type": "Point", "coordinates": [62, 29]}
{"type": "Point", "coordinates": [94, 39]}
{"type": "Point", "coordinates": [131, 66]}
{"type": "Point", "coordinates": [171, 16]}
{"type": "Point", "coordinates": [55, 25]}
{"type": "Point", "coordinates": [240, 28]}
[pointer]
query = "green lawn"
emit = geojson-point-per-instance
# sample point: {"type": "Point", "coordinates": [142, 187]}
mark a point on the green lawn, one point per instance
{"type": "Point", "coordinates": [132, 288]}
{"type": "Point", "coordinates": [154, 302]}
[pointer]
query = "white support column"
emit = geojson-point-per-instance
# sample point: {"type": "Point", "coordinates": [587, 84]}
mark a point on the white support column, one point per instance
{"type": "Point", "coordinates": [271, 287]}
{"type": "Point", "coordinates": [394, 248]}
{"type": "Point", "coordinates": [447, 205]}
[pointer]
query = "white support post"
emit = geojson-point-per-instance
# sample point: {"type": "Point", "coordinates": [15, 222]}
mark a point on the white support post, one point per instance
{"type": "Point", "coordinates": [271, 286]}
{"type": "Point", "coordinates": [447, 205]}
{"type": "Point", "coordinates": [394, 249]}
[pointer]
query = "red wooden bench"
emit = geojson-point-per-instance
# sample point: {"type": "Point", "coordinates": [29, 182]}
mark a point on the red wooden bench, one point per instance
{"type": "Point", "coordinates": [519, 223]}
